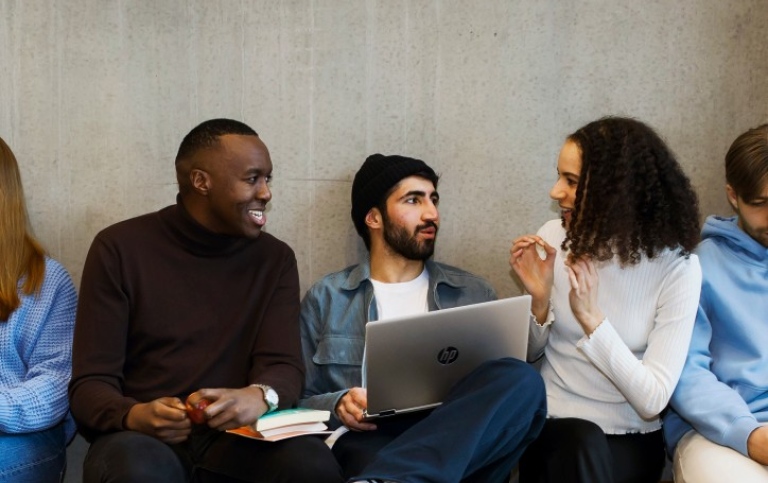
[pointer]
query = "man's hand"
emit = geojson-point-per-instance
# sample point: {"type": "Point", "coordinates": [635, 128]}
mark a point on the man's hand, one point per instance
{"type": "Point", "coordinates": [757, 445]}
{"type": "Point", "coordinates": [165, 419]}
{"type": "Point", "coordinates": [232, 408]}
{"type": "Point", "coordinates": [350, 408]}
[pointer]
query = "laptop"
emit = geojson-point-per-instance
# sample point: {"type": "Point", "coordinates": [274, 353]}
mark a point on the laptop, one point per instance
{"type": "Point", "coordinates": [410, 363]}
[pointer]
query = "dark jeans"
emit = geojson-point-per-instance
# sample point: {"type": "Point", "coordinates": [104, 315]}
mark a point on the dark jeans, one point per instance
{"type": "Point", "coordinates": [575, 450]}
{"type": "Point", "coordinates": [208, 456]}
{"type": "Point", "coordinates": [476, 435]}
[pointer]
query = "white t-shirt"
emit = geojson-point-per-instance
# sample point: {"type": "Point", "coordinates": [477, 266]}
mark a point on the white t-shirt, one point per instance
{"type": "Point", "coordinates": [401, 299]}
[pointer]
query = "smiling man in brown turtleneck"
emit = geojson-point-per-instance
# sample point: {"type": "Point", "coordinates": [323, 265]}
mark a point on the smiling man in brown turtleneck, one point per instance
{"type": "Point", "coordinates": [193, 299]}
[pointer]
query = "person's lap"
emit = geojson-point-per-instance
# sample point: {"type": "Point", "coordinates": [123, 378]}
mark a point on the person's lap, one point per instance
{"type": "Point", "coordinates": [572, 449]}
{"type": "Point", "coordinates": [208, 456]}
{"type": "Point", "coordinates": [477, 434]}
{"type": "Point", "coordinates": [699, 460]}
{"type": "Point", "coordinates": [33, 457]}
{"type": "Point", "coordinates": [354, 450]}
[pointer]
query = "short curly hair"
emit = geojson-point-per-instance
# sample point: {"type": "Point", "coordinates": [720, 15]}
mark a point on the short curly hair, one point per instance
{"type": "Point", "coordinates": [633, 199]}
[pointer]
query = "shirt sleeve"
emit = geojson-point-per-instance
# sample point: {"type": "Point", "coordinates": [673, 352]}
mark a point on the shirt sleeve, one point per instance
{"type": "Point", "coordinates": [712, 407]}
{"type": "Point", "coordinates": [648, 383]}
{"type": "Point", "coordinates": [317, 393]}
{"type": "Point", "coordinates": [276, 356]}
{"type": "Point", "coordinates": [95, 392]}
{"type": "Point", "coordinates": [45, 329]}
{"type": "Point", "coordinates": [538, 335]}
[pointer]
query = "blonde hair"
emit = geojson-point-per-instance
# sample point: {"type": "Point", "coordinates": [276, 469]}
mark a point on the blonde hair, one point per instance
{"type": "Point", "coordinates": [21, 256]}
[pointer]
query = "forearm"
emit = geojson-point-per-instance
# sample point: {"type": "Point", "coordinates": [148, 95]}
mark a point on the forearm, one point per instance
{"type": "Point", "coordinates": [538, 335]}
{"type": "Point", "coordinates": [326, 402]}
{"type": "Point", "coordinates": [35, 405]}
{"type": "Point", "coordinates": [98, 406]}
{"type": "Point", "coordinates": [646, 387]}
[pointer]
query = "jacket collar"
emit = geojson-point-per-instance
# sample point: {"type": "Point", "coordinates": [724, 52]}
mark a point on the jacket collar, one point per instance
{"type": "Point", "coordinates": [362, 273]}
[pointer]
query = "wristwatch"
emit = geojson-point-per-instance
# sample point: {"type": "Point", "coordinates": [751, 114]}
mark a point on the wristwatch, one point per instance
{"type": "Point", "coordinates": [270, 396]}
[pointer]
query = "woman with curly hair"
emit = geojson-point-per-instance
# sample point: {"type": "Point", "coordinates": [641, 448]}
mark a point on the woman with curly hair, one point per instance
{"type": "Point", "coordinates": [37, 316]}
{"type": "Point", "coordinates": [614, 290]}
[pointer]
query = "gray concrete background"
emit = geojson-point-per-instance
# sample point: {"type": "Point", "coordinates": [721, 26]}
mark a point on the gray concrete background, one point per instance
{"type": "Point", "coordinates": [95, 96]}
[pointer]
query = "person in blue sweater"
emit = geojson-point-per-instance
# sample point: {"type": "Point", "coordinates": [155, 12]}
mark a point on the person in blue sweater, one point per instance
{"type": "Point", "coordinates": [37, 316]}
{"type": "Point", "coordinates": [717, 428]}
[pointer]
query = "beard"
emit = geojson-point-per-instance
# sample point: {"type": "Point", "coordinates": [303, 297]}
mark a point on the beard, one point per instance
{"type": "Point", "coordinates": [407, 245]}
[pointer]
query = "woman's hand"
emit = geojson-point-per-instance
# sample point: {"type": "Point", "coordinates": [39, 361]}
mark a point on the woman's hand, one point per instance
{"type": "Point", "coordinates": [583, 295]}
{"type": "Point", "coordinates": [536, 274]}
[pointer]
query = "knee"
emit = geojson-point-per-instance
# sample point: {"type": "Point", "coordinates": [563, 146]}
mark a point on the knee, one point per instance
{"type": "Point", "coordinates": [317, 469]}
{"type": "Point", "coordinates": [519, 378]}
{"type": "Point", "coordinates": [131, 457]}
{"type": "Point", "coordinates": [698, 459]}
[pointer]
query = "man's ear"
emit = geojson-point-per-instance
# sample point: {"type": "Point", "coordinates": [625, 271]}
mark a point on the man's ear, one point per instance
{"type": "Point", "coordinates": [733, 198]}
{"type": "Point", "coordinates": [373, 219]}
{"type": "Point", "coordinates": [201, 181]}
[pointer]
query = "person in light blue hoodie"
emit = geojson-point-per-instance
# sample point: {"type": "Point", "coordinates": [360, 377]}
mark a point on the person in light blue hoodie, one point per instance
{"type": "Point", "coordinates": [717, 427]}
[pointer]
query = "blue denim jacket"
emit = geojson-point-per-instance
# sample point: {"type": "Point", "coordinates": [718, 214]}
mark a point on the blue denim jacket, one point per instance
{"type": "Point", "coordinates": [333, 317]}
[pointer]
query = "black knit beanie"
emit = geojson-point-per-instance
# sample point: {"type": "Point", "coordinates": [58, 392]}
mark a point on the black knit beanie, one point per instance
{"type": "Point", "coordinates": [376, 176]}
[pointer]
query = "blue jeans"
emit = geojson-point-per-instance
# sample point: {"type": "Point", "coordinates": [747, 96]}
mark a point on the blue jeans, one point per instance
{"type": "Point", "coordinates": [38, 457]}
{"type": "Point", "coordinates": [476, 436]}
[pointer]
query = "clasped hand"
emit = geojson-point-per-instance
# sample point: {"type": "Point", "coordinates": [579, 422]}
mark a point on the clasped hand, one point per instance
{"type": "Point", "coordinates": [166, 418]}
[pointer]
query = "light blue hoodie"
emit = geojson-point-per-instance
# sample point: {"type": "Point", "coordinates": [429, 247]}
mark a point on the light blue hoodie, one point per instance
{"type": "Point", "coordinates": [723, 390]}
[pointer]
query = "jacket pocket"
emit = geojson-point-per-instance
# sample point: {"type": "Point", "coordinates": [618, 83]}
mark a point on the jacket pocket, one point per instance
{"type": "Point", "coordinates": [339, 350]}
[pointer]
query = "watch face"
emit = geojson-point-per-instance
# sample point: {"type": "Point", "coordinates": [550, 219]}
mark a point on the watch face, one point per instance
{"type": "Point", "coordinates": [271, 396]}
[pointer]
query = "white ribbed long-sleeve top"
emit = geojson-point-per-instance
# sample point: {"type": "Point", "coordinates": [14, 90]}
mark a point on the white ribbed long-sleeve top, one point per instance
{"type": "Point", "coordinates": [623, 375]}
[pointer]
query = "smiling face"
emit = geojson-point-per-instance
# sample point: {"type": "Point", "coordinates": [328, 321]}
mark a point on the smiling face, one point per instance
{"type": "Point", "coordinates": [234, 177]}
{"type": "Point", "coordinates": [568, 172]}
{"type": "Point", "coordinates": [753, 214]}
{"type": "Point", "coordinates": [411, 219]}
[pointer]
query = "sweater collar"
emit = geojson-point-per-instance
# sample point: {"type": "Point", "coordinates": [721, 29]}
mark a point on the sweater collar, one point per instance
{"type": "Point", "coordinates": [195, 237]}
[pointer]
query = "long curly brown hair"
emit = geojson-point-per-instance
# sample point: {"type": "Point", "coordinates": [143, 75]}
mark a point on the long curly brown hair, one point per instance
{"type": "Point", "coordinates": [633, 199]}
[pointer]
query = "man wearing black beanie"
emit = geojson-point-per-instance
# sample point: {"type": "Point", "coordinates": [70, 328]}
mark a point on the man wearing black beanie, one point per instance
{"type": "Point", "coordinates": [482, 427]}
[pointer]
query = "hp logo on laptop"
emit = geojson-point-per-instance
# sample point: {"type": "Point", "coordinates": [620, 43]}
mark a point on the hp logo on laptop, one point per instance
{"type": "Point", "coordinates": [447, 355]}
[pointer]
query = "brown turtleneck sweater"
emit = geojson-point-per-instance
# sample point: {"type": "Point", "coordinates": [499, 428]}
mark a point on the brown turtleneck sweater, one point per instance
{"type": "Point", "coordinates": [167, 307]}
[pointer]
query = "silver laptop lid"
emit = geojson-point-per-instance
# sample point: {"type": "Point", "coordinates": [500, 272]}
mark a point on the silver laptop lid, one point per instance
{"type": "Point", "coordinates": [411, 363]}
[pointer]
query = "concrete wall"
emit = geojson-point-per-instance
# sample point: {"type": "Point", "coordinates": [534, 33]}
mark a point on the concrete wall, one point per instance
{"type": "Point", "coordinates": [95, 96]}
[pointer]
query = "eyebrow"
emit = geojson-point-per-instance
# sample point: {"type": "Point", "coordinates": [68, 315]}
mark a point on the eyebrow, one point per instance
{"type": "Point", "coordinates": [251, 171]}
{"type": "Point", "coordinates": [420, 193]}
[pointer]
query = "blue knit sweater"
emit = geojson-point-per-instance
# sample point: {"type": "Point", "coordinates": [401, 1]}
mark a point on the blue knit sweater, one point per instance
{"type": "Point", "coordinates": [36, 356]}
